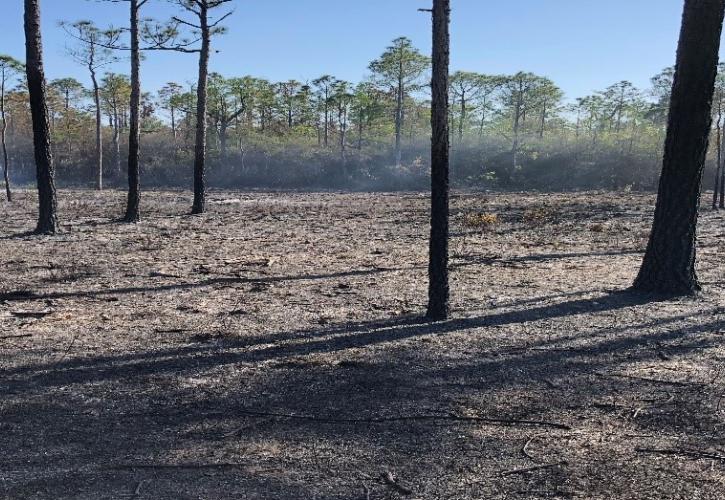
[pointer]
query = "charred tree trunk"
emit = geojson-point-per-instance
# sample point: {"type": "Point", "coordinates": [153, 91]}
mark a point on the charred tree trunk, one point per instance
{"type": "Point", "coordinates": [327, 120]}
{"type": "Point", "coordinates": [542, 123]}
{"type": "Point", "coordinates": [116, 124]}
{"type": "Point", "coordinates": [399, 117]}
{"type": "Point", "coordinates": [99, 129]}
{"type": "Point", "coordinates": [718, 140]}
{"type": "Point", "coordinates": [438, 288]}
{"type": "Point", "coordinates": [201, 106]}
{"type": "Point", "coordinates": [173, 124]}
{"type": "Point", "coordinates": [223, 125]}
{"type": "Point", "coordinates": [3, 131]}
{"type": "Point", "coordinates": [359, 135]}
{"type": "Point", "coordinates": [134, 135]}
{"type": "Point", "coordinates": [669, 263]}
{"type": "Point", "coordinates": [462, 121]}
{"type": "Point", "coordinates": [342, 120]}
{"type": "Point", "coordinates": [721, 204]}
{"type": "Point", "coordinates": [47, 205]}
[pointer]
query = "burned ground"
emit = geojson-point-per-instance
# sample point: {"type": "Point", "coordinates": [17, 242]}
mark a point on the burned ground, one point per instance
{"type": "Point", "coordinates": [273, 348]}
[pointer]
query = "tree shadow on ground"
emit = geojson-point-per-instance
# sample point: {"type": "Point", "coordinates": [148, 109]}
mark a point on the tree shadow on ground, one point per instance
{"type": "Point", "coordinates": [26, 295]}
{"type": "Point", "coordinates": [323, 412]}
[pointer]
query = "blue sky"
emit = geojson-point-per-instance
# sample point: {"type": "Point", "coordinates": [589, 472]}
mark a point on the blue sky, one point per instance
{"type": "Point", "coordinates": [583, 45]}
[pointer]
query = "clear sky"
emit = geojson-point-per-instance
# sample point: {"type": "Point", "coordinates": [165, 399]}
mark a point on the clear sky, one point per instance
{"type": "Point", "coordinates": [583, 45]}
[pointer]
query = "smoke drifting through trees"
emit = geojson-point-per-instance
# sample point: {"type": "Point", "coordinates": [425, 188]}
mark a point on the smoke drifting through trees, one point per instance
{"type": "Point", "coordinates": [508, 131]}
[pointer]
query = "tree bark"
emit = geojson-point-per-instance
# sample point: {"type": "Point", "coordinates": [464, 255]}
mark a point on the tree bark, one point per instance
{"type": "Point", "coordinates": [3, 131]}
{"type": "Point", "coordinates": [438, 288]}
{"type": "Point", "coordinates": [399, 118]}
{"type": "Point", "coordinates": [134, 136]}
{"type": "Point", "coordinates": [718, 140]}
{"type": "Point", "coordinates": [462, 122]}
{"type": "Point", "coordinates": [721, 204]}
{"type": "Point", "coordinates": [99, 128]}
{"type": "Point", "coordinates": [327, 118]}
{"type": "Point", "coordinates": [223, 125]}
{"type": "Point", "coordinates": [47, 204]}
{"type": "Point", "coordinates": [201, 107]}
{"type": "Point", "coordinates": [669, 263]}
{"type": "Point", "coordinates": [116, 123]}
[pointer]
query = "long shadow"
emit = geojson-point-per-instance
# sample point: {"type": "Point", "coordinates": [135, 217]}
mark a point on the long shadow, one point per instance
{"type": "Point", "coordinates": [21, 235]}
{"type": "Point", "coordinates": [103, 412]}
{"type": "Point", "coordinates": [26, 295]}
{"type": "Point", "coordinates": [29, 295]}
{"type": "Point", "coordinates": [327, 340]}
{"type": "Point", "coordinates": [484, 259]}
{"type": "Point", "coordinates": [210, 344]}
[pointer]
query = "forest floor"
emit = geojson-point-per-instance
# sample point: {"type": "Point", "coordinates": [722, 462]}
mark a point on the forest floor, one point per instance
{"type": "Point", "coordinates": [274, 349]}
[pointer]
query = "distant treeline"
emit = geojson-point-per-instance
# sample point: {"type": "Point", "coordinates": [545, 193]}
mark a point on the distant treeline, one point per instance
{"type": "Point", "coordinates": [508, 131]}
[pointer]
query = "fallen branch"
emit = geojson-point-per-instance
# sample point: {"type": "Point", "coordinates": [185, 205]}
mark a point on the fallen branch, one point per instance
{"type": "Point", "coordinates": [651, 380]}
{"type": "Point", "coordinates": [18, 295]}
{"type": "Point", "coordinates": [32, 314]}
{"type": "Point", "coordinates": [171, 330]}
{"type": "Point", "coordinates": [532, 469]}
{"type": "Point", "coordinates": [526, 453]}
{"type": "Point", "coordinates": [223, 465]}
{"type": "Point", "coordinates": [412, 418]}
{"type": "Point", "coordinates": [4, 337]}
{"type": "Point", "coordinates": [685, 453]}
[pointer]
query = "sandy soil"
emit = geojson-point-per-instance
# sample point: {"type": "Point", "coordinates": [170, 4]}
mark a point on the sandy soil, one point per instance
{"type": "Point", "coordinates": [273, 349]}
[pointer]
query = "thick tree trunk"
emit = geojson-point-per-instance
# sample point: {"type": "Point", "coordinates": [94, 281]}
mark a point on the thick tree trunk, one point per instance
{"type": "Point", "coordinates": [47, 206]}
{"type": "Point", "coordinates": [669, 263]}
{"type": "Point", "coordinates": [3, 131]}
{"type": "Point", "coordinates": [99, 130]}
{"type": "Point", "coordinates": [134, 135]}
{"type": "Point", "coordinates": [201, 92]}
{"type": "Point", "coordinates": [438, 288]}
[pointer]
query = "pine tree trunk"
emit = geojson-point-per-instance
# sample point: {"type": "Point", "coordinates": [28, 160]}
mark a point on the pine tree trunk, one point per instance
{"type": "Point", "coordinates": [201, 93]}
{"type": "Point", "coordinates": [47, 204]}
{"type": "Point", "coordinates": [462, 122]}
{"type": "Point", "coordinates": [438, 288]}
{"type": "Point", "coordinates": [117, 142]}
{"type": "Point", "coordinates": [399, 120]}
{"type": "Point", "coordinates": [3, 131]}
{"type": "Point", "coordinates": [134, 136]}
{"type": "Point", "coordinates": [669, 263]}
{"type": "Point", "coordinates": [721, 204]}
{"type": "Point", "coordinates": [718, 140]}
{"type": "Point", "coordinates": [223, 139]}
{"type": "Point", "coordinates": [99, 130]}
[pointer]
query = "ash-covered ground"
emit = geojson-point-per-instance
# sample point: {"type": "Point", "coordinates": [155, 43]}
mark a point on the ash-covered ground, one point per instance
{"type": "Point", "coordinates": [274, 349]}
